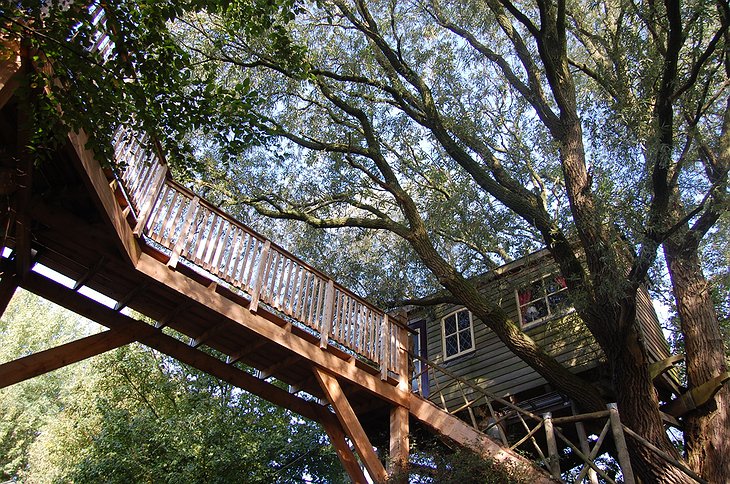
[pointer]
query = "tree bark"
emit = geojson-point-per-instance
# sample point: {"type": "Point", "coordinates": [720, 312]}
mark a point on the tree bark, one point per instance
{"type": "Point", "coordinates": [638, 403]}
{"type": "Point", "coordinates": [706, 429]}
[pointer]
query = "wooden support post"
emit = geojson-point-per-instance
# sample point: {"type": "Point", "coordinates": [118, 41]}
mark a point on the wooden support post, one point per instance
{"type": "Point", "coordinates": [342, 448]}
{"type": "Point", "coordinates": [618, 438]}
{"type": "Point", "coordinates": [52, 359]}
{"type": "Point", "coordinates": [403, 363]}
{"type": "Point", "coordinates": [399, 443]}
{"type": "Point", "coordinates": [329, 308]}
{"type": "Point", "coordinates": [553, 457]}
{"type": "Point", "coordinates": [184, 231]}
{"type": "Point", "coordinates": [149, 203]}
{"type": "Point", "coordinates": [384, 348]}
{"type": "Point", "coordinates": [351, 424]}
{"type": "Point", "coordinates": [8, 285]}
{"type": "Point", "coordinates": [584, 446]}
{"type": "Point", "coordinates": [260, 274]}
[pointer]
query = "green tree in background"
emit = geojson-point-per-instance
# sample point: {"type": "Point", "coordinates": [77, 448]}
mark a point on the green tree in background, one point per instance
{"type": "Point", "coordinates": [446, 137]}
{"type": "Point", "coordinates": [133, 415]}
{"type": "Point", "coordinates": [30, 325]}
{"type": "Point", "coordinates": [474, 131]}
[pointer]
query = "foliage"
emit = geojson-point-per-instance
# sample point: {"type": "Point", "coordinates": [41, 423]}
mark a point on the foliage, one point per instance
{"type": "Point", "coordinates": [30, 325]}
{"type": "Point", "coordinates": [477, 131]}
{"type": "Point", "coordinates": [146, 80]}
{"type": "Point", "coordinates": [432, 462]}
{"type": "Point", "coordinates": [133, 415]}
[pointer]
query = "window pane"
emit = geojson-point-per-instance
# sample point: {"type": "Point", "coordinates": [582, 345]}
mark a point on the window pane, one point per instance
{"type": "Point", "coordinates": [451, 345]}
{"type": "Point", "coordinates": [463, 319]}
{"type": "Point", "coordinates": [558, 301]}
{"type": "Point", "coordinates": [450, 325]}
{"type": "Point", "coordinates": [533, 311]}
{"type": "Point", "coordinates": [552, 286]}
{"type": "Point", "coordinates": [465, 340]}
{"type": "Point", "coordinates": [537, 290]}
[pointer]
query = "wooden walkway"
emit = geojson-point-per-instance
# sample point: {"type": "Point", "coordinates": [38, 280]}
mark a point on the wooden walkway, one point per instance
{"type": "Point", "coordinates": [198, 280]}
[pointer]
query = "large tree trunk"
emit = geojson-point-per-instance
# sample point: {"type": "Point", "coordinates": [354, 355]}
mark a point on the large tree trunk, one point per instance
{"type": "Point", "coordinates": [610, 314]}
{"type": "Point", "coordinates": [706, 429]}
{"type": "Point", "coordinates": [638, 403]}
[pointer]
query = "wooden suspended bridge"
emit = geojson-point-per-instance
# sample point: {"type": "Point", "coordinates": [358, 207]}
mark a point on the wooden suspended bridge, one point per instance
{"type": "Point", "coordinates": [199, 280]}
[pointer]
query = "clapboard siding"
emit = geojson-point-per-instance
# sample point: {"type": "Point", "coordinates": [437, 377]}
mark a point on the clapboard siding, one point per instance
{"type": "Point", "coordinates": [656, 343]}
{"type": "Point", "coordinates": [493, 366]}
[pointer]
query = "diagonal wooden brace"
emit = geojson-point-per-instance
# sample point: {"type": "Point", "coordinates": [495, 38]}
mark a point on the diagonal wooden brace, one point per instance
{"type": "Point", "coordinates": [351, 425]}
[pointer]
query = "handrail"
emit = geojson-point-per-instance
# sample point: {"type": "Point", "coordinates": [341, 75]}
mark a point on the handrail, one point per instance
{"type": "Point", "coordinates": [585, 452]}
{"type": "Point", "coordinates": [197, 231]}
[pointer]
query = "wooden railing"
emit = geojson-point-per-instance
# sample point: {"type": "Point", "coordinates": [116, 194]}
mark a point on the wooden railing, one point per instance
{"type": "Point", "coordinates": [502, 411]}
{"type": "Point", "coordinates": [196, 231]}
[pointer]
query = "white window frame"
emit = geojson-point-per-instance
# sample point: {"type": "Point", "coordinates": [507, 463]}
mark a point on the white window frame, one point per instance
{"type": "Point", "coordinates": [443, 334]}
{"type": "Point", "coordinates": [550, 315]}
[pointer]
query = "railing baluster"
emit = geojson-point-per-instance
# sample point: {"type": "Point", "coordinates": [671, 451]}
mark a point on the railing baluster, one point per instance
{"type": "Point", "coordinates": [286, 296]}
{"type": "Point", "coordinates": [158, 218]}
{"type": "Point", "coordinates": [193, 229]}
{"type": "Point", "coordinates": [182, 238]}
{"type": "Point", "coordinates": [211, 242]}
{"type": "Point", "coordinates": [385, 350]}
{"type": "Point", "coordinates": [263, 262]}
{"type": "Point", "coordinates": [250, 247]}
{"type": "Point", "coordinates": [236, 241]}
{"type": "Point", "coordinates": [257, 247]}
{"type": "Point", "coordinates": [328, 313]}
{"type": "Point", "coordinates": [278, 296]}
{"type": "Point", "coordinates": [296, 298]}
{"type": "Point", "coordinates": [168, 227]}
{"type": "Point", "coordinates": [317, 311]}
{"type": "Point", "coordinates": [267, 292]}
{"type": "Point", "coordinates": [221, 244]}
{"type": "Point", "coordinates": [146, 209]}
{"type": "Point", "coordinates": [206, 222]}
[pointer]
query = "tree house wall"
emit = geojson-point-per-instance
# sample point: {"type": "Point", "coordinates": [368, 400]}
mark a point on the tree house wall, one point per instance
{"type": "Point", "coordinates": [493, 367]}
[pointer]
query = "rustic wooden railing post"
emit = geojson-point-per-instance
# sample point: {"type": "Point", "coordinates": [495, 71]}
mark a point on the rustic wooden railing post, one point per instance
{"type": "Point", "coordinates": [149, 203]}
{"type": "Point", "coordinates": [399, 444]}
{"type": "Point", "coordinates": [384, 347]}
{"type": "Point", "coordinates": [328, 312]}
{"type": "Point", "coordinates": [258, 283]}
{"type": "Point", "coordinates": [584, 447]}
{"type": "Point", "coordinates": [620, 441]}
{"type": "Point", "coordinates": [182, 239]}
{"type": "Point", "coordinates": [553, 457]}
{"type": "Point", "coordinates": [403, 363]}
